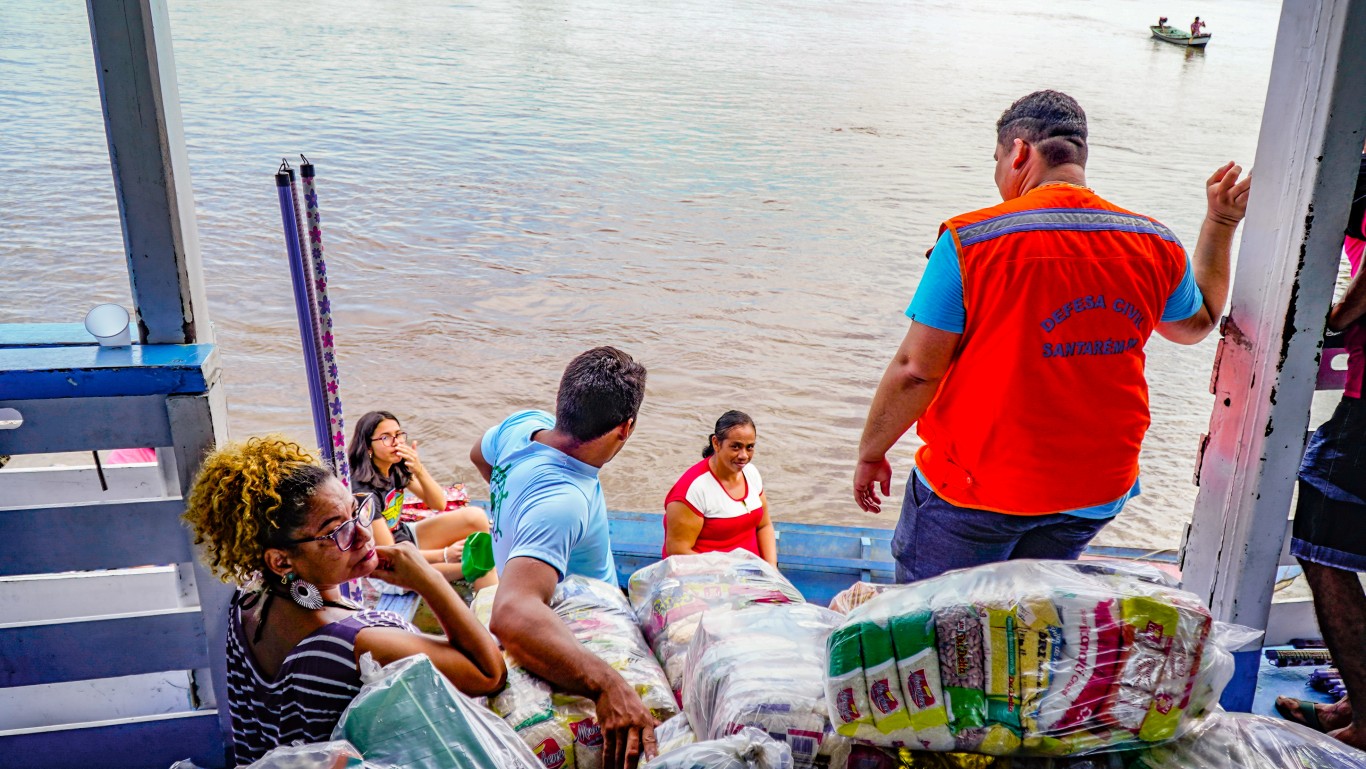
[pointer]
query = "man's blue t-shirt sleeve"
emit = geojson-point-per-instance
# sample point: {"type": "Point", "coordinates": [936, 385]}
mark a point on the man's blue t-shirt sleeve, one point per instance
{"type": "Point", "coordinates": [1186, 300]}
{"type": "Point", "coordinates": [510, 432]}
{"type": "Point", "coordinates": [938, 300]}
{"type": "Point", "coordinates": [551, 533]}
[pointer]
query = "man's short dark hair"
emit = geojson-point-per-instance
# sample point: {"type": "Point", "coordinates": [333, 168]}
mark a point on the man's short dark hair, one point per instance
{"type": "Point", "coordinates": [1050, 121]}
{"type": "Point", "coordinates": [600, 389]}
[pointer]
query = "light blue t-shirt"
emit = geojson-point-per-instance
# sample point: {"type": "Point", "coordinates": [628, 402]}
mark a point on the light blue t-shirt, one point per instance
{"type": "Point", "coordinates": [545, 504]}
{"type": "Point", "coordinates": [938, 302]}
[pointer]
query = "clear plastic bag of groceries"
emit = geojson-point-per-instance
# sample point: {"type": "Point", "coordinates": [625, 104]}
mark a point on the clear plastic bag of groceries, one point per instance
{"type": "Point", "coordinates": [1040, 658]}
{"type": "Point", "coordinates": [668, 598]}
{"type": "Point", "coordinates": [762, 666]}
{"type": "Point", "coordinates": [856, 595]}
{"type": "Point", "coordinates": [408, 716]}
{"type": "Point", "coordinates": [601, 619]}
{"type": "Point", "coordinates": [748, 748]}
{"type": "Point", "coordinates": [674, 734]}
{"type": "Point", "coordinates": [337, 754]}
{"type": "Point", "coordinates": [1244, 741]}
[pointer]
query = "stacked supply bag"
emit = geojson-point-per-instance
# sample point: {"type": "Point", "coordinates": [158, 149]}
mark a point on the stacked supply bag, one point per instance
{"type": "Point", "coordinates": [1027, 657]}
{"type": "Point", "coordinates": [670, 597]}
{"type": "Point", "coordinates": [762, 666]}
{"type": "Point", "coordinates": [408, 716]}
{"type": "Point", "coordinates": [562, 729]}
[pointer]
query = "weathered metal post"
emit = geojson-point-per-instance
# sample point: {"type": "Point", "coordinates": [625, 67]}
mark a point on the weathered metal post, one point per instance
{"type": "Point", "coordinates": [1265, 369]}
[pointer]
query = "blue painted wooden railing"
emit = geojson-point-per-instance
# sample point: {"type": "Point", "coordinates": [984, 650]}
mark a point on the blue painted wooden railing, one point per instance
{"type": "Point", "coordinates": [72, 395]}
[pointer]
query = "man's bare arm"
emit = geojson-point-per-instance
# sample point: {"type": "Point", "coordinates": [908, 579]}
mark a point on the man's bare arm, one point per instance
{"type": "Point", "coordinates": [536, 637]}
{"type": "Point", "coordinates": [907, 388]}
{"type": "Point", "coordinates": [1226, 206]}
{"type": "Point", "coordinates": [482, 465]}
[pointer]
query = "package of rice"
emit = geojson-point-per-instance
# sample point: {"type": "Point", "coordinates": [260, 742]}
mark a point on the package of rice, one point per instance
{"type": "Point", "coordinates": [1035, 658]}
{"type": "Point", "coordinates": [762, 666]}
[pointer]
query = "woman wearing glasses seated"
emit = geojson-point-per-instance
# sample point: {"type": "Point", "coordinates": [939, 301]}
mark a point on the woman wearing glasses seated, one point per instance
{"type": "Point", "coordinates": [384, 461]}
{"type": "Point", "coordinates": [288, 534]}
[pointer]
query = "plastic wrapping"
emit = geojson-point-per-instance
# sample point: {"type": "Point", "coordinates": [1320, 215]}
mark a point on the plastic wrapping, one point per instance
{"type": "Point", "coordinates": [748, 748]}
{"type": "Point", "coordinates": [674, 734]}
{"type": "Point", "coordinates": [762, 666]}
{"type": "Point", "coordinates": [562, 730]}
{"type": "Point", "coordinates": [1243, 741]}
{"type": "Point", "coordinates": [669, 597]}
{"type": "Point", "coordinates": [1028, 657]}
{"type": "Point", "coordinates": [338, 754]}
{"type": "Point", "coordinates": [408, 716]}
{"type": "Point", "coordinates": [856, 595]}
{"type": "Point", "coordinates": [601, 619]}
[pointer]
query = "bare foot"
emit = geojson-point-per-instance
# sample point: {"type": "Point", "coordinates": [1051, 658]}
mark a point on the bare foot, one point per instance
{"type": "Point", "coordinates": [1354, 735]}
{"type": "Point", "coordinates": [1335, 716]}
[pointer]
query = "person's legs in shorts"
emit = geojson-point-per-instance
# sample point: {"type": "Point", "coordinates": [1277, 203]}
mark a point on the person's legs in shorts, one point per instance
{"type": "Point", "coordinates": [1329, 540]}
{"type": "Point", "coordinates": [934, 536]}
{"type": "Point", "coordinates": [1058, 537]}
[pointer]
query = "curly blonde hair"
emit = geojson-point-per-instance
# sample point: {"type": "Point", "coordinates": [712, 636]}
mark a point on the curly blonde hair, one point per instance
{"type": "Point", "coordinates": [248, 497]}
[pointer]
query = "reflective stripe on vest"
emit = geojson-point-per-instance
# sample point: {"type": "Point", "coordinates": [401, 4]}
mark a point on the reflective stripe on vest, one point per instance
{"type": "Point", "coordinates": [1045, 406]}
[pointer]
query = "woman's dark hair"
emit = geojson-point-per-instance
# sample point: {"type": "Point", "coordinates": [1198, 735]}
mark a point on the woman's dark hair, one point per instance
{"type": "Point", "coordinates": [599, 390]}
{"type": "Point", "coordinates": [363, 468]}
{"type": "Point", "coordinates": [1051, 121]}
{"type": "Point", "coordinates": [728, 421]}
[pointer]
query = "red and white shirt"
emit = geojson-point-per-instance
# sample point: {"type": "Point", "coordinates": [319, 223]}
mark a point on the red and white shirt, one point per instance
{"type": "Point", "coordinates": [729, 523]}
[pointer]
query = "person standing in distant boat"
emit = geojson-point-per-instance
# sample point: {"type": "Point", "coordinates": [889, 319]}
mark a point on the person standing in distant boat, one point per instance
{"type": "Point", "coordinates": [1197, 27]}
{"type": "Point", "coordinates": [386, 465]}
{"type": "Point", "coordinates": [719, 503]}
{"type": "Point", "coordinates": [1023, 367]}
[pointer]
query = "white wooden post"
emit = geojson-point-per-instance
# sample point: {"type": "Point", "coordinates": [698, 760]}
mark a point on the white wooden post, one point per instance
{"type": "Point", "coordinates": [1266, 367]}
{"type": "Point", "coordinates": [141, 103]}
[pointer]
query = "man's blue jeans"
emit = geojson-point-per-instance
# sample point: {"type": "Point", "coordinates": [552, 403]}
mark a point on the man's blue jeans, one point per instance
{"type": "Point", "coordinates": [934, 536]}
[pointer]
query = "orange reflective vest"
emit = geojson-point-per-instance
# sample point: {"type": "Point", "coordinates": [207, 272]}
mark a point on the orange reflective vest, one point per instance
{"type": "Point", "coordinates": [1045, 406]}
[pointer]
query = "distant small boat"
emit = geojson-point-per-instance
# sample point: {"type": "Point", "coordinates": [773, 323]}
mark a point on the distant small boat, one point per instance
{"type": "Point", "coordinates": [1179, 36]}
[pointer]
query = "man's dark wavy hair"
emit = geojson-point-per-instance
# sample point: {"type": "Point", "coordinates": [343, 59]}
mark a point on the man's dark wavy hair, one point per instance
{"type": "Point", "coordinates": [1050, 121]}
{"type": "Point", "coordinates": [600, 389]}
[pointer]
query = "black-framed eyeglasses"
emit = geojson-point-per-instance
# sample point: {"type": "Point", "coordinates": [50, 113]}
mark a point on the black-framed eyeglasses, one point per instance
{"type": "Point", "coordinates": [344, 536]}
{"type": "Point", "coordinates": [389, 440]}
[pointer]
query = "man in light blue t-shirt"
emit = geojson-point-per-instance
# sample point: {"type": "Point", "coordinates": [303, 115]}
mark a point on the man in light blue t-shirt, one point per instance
{"type": "Point", "coordinates": [550, 521]}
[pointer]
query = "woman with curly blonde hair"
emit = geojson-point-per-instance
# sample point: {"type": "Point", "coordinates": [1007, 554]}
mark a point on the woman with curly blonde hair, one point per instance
{"type": "Point", "coordinates": [288, 533]}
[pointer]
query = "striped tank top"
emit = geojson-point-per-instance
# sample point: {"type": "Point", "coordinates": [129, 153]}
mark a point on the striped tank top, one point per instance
{"type": "Point", "coordinates": [305, 699]}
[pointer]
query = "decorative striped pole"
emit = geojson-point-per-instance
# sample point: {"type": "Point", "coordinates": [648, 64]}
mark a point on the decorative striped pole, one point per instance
{"type": "Point", "coordinates": [299, 277]}
{"type": "Point", "coordinates": [327, 362]}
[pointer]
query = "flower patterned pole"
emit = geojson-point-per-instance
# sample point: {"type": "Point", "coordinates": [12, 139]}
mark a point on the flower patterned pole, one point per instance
{"type": "Point", "coordinates": [335, 451]}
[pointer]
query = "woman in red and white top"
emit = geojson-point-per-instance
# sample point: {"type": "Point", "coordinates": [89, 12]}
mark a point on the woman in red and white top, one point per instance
{"type": "Point", "coordinates": [719, 503]}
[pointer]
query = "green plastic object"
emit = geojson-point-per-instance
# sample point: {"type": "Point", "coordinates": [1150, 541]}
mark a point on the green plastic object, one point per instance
{"type": "Point", "coordinates": [477, 558]}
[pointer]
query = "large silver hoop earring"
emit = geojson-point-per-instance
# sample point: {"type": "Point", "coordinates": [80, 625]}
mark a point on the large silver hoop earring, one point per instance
{"type": "Point", "coordinates": [305, 594]}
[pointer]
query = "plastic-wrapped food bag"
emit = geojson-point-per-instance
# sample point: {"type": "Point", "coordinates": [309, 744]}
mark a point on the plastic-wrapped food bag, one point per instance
{"type": "Point", "coordinates": [1028, 657]}
{"type": "Point", "coordinates": [669, 597]}
{"type": "Point", "coordinates": [748, 748]}
{"type": "Point", "coordinates": [338, 754]}
{"type": "Point", "coordinates": [857, 595]}
{"type": "Point", "coordinates": [762, 666]}
{"type": "Point", "coordinates": [408, 716]}
{"type": "Point", "coordinates": [601, 619]}
{"type": "Point", "coordinates": [1244, 741]}
{"type": "Point", "coordinates": [674, 734]}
